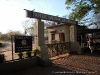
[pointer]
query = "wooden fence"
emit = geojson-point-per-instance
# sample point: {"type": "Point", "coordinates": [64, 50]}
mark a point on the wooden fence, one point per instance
{"type": "Point", "coordinates": [57, 48]}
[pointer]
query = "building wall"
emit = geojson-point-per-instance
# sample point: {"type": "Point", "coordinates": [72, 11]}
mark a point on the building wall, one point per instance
{"type": "Point", "coordinates": [57, 37]}
{"type": "Point", "coordinates": [73, 33]}
{"type": "Point", "coordinates": [49, 35]}
{"type": "Point", "coordinates": [60, 29]}
{"type": "Point", "coordinates": [67, 33]}
{"type": "Point", "coordinates": [70, 36]}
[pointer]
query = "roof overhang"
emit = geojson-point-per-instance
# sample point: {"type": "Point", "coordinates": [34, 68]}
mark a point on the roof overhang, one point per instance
{"type": "Point", "coordinates": [57, 25]}
{"type": "Point", "coordinates": [54, 31]}
{"type": "Point", "coordinates": [88, 30]}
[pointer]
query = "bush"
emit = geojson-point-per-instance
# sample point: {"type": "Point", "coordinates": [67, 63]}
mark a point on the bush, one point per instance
{"type": "Point", "coordinates": [20, 54]}
{"type": "Point", "coordinates": [0, 44]}
{"type": "Point", "coordinates": [53, 41]}
{"type": "Point", "coordinates": [35, 51]}
{"type": "Point", "coordinates": [2, 58]}
{"type": "Point", "coordinates": [28, 53]}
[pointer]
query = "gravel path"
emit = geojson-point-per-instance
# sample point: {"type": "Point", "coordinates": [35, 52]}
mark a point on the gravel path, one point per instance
{"type": "Point", "coordinates": [90, 65]}
{"type": "Point", "coordinates": [68, 65]}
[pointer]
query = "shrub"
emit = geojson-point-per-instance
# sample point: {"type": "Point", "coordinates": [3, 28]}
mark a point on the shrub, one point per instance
{"type": "Point", "coordinates": [53, 41]}
{"type": "Point", "coordinates": [0, 44]}
{"type": "Point", "coordinates": [2, 58]}
{"type": "Point", "coordinates": [28, 53]}
{"type": "Point", "coordinates": [20, 54]}
{"type": "Point", "coordinates": [36, 51]}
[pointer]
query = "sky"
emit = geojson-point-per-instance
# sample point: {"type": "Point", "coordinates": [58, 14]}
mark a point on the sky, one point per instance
{"type": "Point", "coordinates": [12, 14]}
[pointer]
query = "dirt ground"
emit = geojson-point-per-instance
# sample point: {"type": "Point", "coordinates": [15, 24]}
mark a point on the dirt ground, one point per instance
{"type": "Point", "coordinates": [87, 64]}
{"type": "Point", "coordinates": [68, 65]}
{"type": "Point", "coordinates": [7, 51]}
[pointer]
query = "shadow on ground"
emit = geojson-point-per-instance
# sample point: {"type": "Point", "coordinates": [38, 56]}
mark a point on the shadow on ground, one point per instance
{"type": "Point", "coordinates": [95, 53]}
{"type": "Point", "coordinates": [51, 70]}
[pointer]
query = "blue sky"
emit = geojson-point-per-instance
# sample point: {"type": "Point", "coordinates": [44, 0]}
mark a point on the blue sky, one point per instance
{"type": "Point", "coordinates": [12, 13]}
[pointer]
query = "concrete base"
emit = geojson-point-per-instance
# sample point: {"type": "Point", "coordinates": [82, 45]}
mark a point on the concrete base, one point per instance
{"type": "Point", "coordinates": [44, 63]}
{"type": "Point", "coordinates": [44, 57]}
{"type": "Point", "coordinates": [75, 47]}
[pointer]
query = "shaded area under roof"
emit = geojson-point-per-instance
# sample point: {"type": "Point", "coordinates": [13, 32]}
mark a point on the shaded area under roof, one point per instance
{"type": "Point", "coordinates": [88, 30]}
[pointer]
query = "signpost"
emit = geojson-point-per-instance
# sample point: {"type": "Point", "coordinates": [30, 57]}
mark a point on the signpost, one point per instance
{"type": "Point", "coordinates": [32, 14]}
{"type": "Point", "coordinates": [23, 43]}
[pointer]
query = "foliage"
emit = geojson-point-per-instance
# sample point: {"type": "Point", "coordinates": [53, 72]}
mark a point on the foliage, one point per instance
{"type": "Point", "coordinates": [7, 36]}
{"type": "Point", "coordinates": [27, 25]}
{"type": "Point", "coordinates": [79, 9]}
{"type": "Point", "coordinates": [20, 54]}
{"type": "Point", "coordinates": [46, 32]}
{"type": "Point", "coordinates": [53, 41]}
{"type": "Point", "coordinates": [0, 44]}
{"type": "Point", "coordinates": [28, 53]}
{"type": "Point", "coordinates": [49, 23]}
{"type": "Point", "coordinates": [82, 8]}
{"type": "Point", "coordinates": [30, 31]}
{"type": "Point", "coordinates": [2, 58]}
{"type": "Point", "coordinates": [36, 51]}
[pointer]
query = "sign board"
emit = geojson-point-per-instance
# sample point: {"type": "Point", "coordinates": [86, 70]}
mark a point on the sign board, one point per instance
{"type": "Point", "coordinates": [32, 14]}
{"type": "Point", "coordinates": [23, 43]}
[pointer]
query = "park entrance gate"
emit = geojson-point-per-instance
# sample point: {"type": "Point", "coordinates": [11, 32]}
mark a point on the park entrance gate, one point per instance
{"type": "Point", "coordinates": [39, 32]}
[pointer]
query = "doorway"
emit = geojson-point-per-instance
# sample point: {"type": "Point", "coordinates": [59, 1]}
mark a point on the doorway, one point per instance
{"type": "Point", "coordinates": [61, 37]}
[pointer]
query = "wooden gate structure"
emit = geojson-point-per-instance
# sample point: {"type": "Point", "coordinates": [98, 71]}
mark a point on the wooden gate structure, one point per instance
{"type": "Point", "coordinates": [58, 48]}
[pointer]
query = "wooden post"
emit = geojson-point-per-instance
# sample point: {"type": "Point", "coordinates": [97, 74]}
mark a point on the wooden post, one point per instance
{"type": "Point", "coordinates": [81, 41]}
{"type": "Point", "coordinates": [12, 47]}
{"type": "Point", "coordinates": [92, 36]}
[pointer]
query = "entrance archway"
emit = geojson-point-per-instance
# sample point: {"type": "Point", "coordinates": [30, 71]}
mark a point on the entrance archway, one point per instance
{"type": "Point", "coordinates": [39, 32]}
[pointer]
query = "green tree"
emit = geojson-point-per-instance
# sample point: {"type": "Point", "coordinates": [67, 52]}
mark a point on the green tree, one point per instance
{"type": "Point", "coordinates": [46, 32]}
{"type": "Point", "coordinates": [83, 8]}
